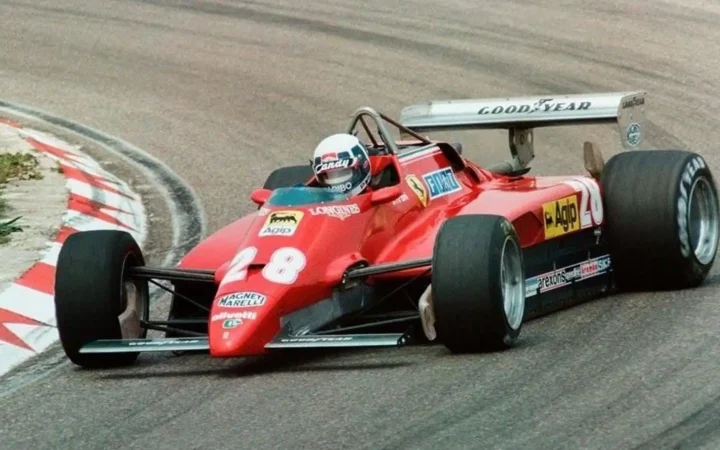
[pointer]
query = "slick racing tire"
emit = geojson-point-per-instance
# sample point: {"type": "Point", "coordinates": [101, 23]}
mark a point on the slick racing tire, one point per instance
{"type": "Point", "coordinates": [478, 284]}
{"type": "Point", "coordinates": [93, 298]}
{"type": "Point", "coordinates": [661, 214]}
{"type": "Point", "coordinates": [288, 176]}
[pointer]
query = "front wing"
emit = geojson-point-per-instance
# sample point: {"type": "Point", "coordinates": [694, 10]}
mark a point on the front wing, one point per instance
{"type": "Point", "coordinates": [281, 342]}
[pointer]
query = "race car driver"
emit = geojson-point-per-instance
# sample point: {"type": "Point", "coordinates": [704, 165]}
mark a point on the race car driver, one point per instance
{"type": "Point", "coordinates": [342, 163]}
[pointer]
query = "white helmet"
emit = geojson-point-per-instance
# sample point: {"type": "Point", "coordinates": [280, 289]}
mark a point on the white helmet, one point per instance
{"type": "Point", "coordinates": [341, 162]}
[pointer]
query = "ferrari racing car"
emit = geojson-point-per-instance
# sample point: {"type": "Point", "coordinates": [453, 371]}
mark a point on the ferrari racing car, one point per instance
{"type": "Point", "coordinates": [442, 250]}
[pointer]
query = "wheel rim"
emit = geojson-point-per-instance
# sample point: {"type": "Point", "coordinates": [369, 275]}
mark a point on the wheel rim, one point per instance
{"type": "Point", "coordinates": [703, 220]}
{"type": "Point", "coordinates": [513, 283]}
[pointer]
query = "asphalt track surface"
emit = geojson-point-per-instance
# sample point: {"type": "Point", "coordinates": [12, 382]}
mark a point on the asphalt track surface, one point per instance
{"type": "Point", "coordinates": [224, 91]}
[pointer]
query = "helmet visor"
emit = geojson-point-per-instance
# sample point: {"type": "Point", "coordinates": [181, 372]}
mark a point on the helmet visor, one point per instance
{"type": "Point", "coordinates": [337, 176]}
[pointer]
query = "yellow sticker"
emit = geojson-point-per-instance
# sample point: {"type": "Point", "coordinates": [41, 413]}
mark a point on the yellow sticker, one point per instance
{"type": "Point", "coordinates": [281, 223]}
{"type": "Point", "coordinates": [418, 188]}
{"type": "Point", "coordinates": [561, 216]}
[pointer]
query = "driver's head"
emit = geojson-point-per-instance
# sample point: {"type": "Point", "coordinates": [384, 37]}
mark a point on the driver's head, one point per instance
{"type": "Point", "coordinates": [341, 162]}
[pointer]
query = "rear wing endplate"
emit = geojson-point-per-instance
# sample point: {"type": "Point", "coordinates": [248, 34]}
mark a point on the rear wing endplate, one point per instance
{"type": "Point", "coordinates": [521, 114]}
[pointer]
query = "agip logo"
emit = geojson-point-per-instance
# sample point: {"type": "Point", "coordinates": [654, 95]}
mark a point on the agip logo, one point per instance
{"type": "Point", "coordinates": [561, 216]}
{"type": "Point", "coordinates": [281, 223]}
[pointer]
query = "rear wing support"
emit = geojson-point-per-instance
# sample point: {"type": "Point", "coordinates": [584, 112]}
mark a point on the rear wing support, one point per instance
{"type": "Point", "coordinates": [520, 115]}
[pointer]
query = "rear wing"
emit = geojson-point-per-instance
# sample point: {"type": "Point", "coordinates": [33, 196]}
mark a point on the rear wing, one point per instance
{"type": "Point", "coordinates": [521, 114]}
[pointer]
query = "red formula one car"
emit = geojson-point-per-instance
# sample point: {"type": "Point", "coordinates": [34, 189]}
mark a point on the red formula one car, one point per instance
{"type": "Point", "coordinates": [439, 248]}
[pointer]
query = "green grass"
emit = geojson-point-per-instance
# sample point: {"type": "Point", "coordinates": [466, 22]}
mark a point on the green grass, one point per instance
{"type": "Point", "coordinates": [18, 166]}
{"type": "Point", "coordinates": [14, 166]}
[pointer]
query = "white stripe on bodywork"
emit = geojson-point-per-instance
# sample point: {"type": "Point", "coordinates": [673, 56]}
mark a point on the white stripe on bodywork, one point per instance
{"type": "Point", "coordinates": [418, 153]}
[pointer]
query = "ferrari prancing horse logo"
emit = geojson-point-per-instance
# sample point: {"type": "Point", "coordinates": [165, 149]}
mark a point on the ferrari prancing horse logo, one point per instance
{"type": "Point", "coordinates": [418, 188]}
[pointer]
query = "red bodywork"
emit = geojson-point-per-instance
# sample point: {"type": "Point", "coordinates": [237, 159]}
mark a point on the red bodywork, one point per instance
{"type": "Point", "coordinates": [403, 228]}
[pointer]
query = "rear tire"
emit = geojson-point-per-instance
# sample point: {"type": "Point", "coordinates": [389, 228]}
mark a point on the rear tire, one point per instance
{"type": "Point", "coordinates": [478, 283]}
{"type": "Point", "coordinates": [288, 176]}
{"type": "Point", "coordinates": [92, 296]}
{"type": "Point", "coordinates": [661, 218]}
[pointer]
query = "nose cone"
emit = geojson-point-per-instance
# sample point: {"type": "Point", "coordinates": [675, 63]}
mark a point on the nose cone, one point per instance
{"type": "Point", "coordinates": [241, 324]}
{"type": "Point", "coordinates": [289, 260]}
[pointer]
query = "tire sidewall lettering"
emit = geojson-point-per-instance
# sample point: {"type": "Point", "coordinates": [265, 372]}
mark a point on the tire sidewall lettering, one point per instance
{"type": "Point", "coordinates": [688, 177]}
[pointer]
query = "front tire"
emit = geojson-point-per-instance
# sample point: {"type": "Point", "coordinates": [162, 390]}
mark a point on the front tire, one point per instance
{"type": "Point", "coordinates": [93, 298]}
{"type": "Point", "coordinates": [478, 283]}
{"type": "Point", "coordinates": [661, 218]}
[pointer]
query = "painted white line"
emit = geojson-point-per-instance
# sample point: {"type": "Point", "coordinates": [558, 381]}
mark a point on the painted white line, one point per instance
{"type": "Point", "coordinates": [20, 305]}
{"type": "Point", "coordinates": [99, 195]}
{"type": "Point", "coordinates": [27, 302]}
{"type": "Point", "coordinates": [50, 256]}
{"type": "Point", "coordinates": [186, 213]}
{"type": "Point", "coordinates": [83, 222]}
{"type": "Point", "coordinates": [38, 338]}
{"type": "Point", "coordinates": [49, 139]}
{"type": "Point", "coordinates": [12, 356]}
{"type": "Point", "coordinates": [97, 173]}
